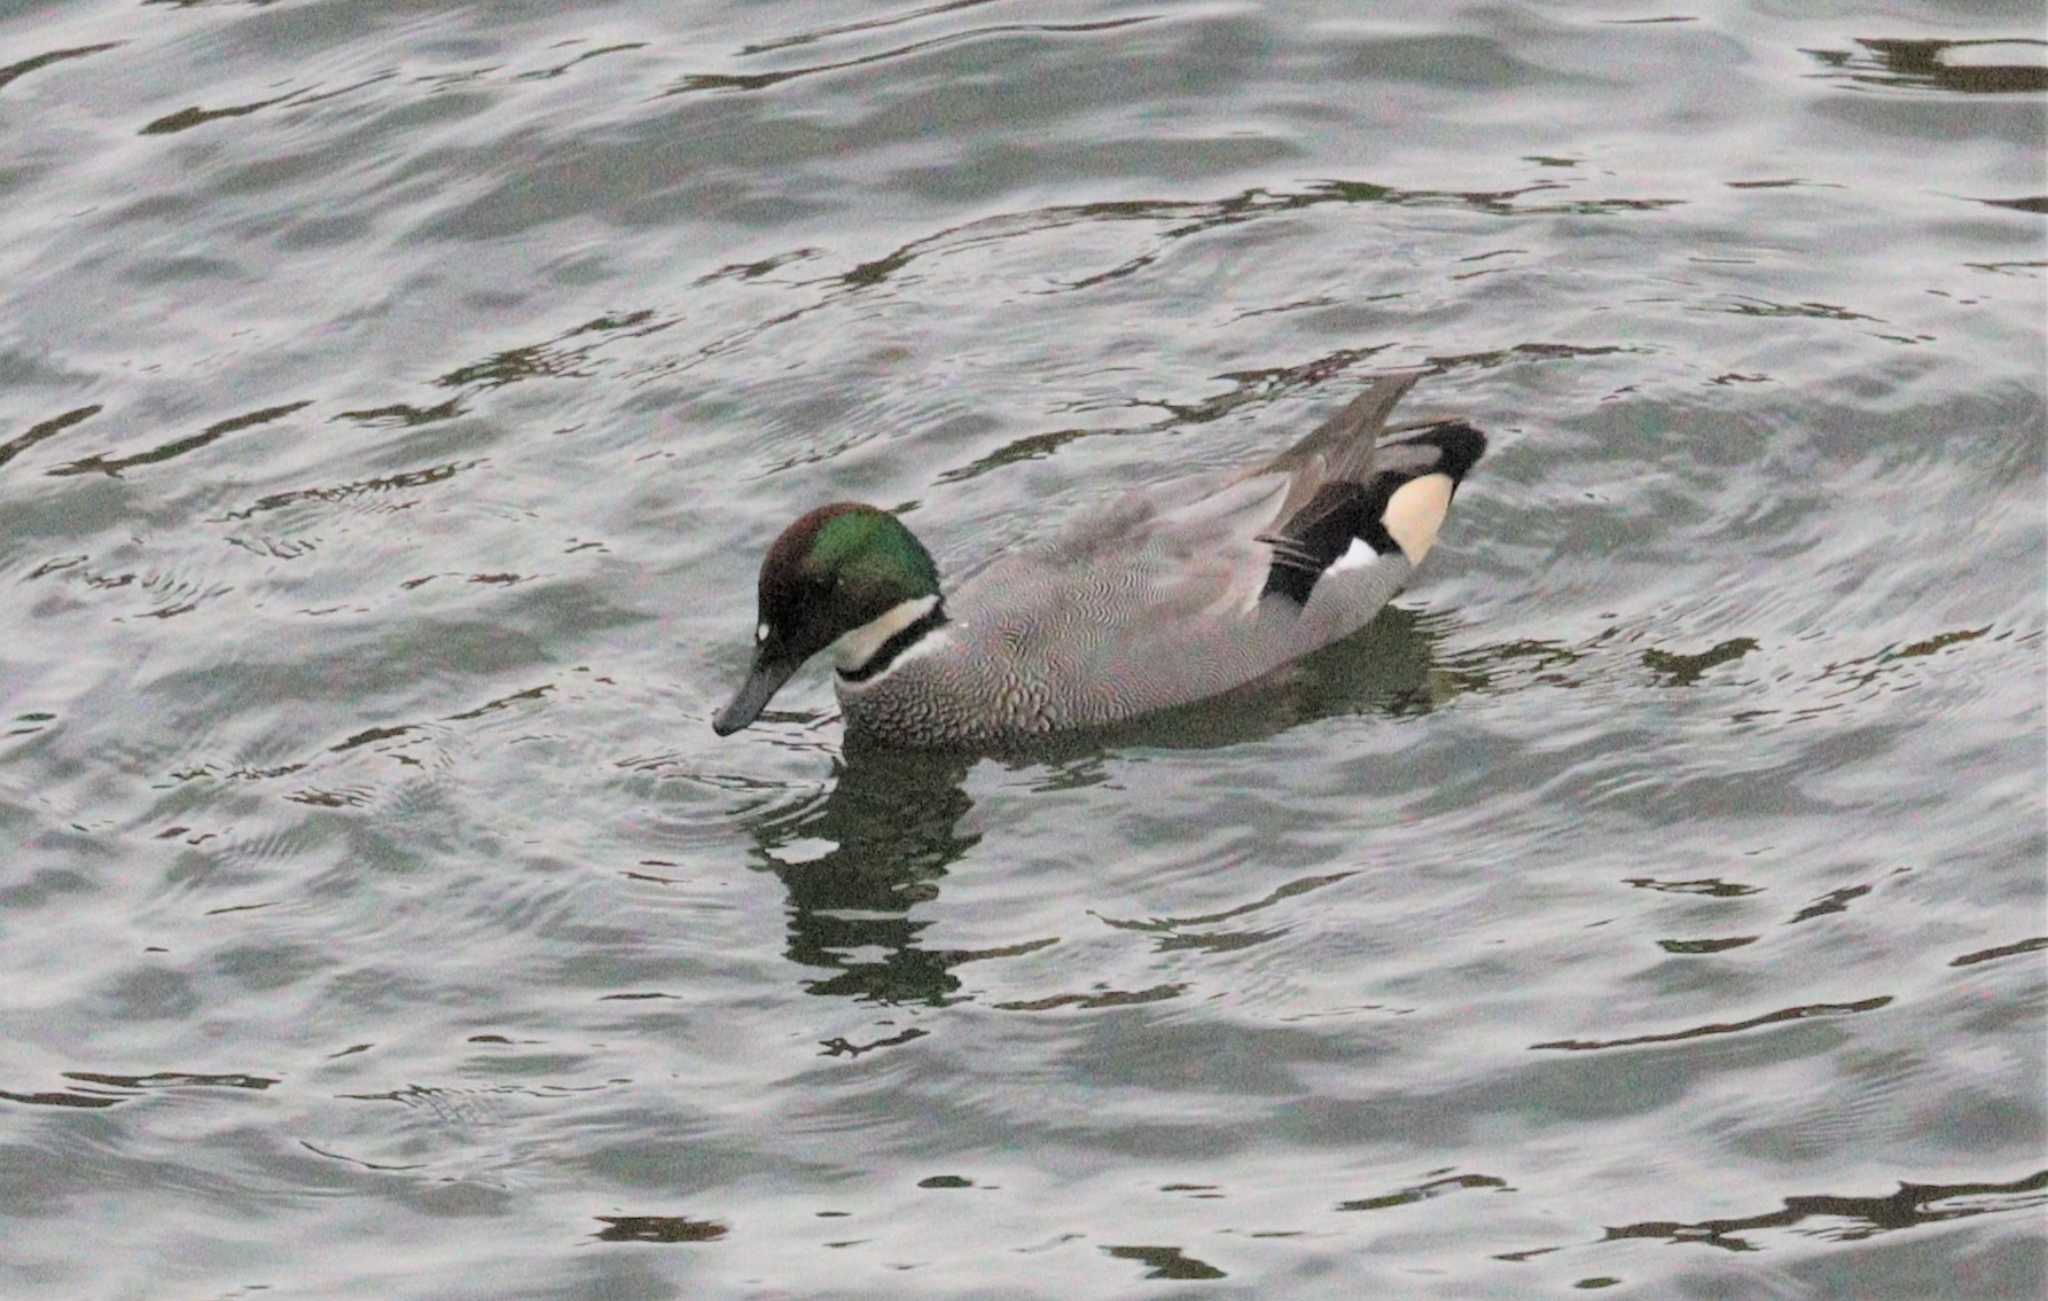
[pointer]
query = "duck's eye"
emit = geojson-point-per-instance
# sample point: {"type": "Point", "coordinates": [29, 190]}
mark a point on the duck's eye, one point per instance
{"type": "Point", "coordinates": [761, 633]}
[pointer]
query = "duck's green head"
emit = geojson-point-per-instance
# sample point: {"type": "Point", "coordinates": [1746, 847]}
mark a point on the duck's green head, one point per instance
{"type": "Point", "coordinates": [842, 569]}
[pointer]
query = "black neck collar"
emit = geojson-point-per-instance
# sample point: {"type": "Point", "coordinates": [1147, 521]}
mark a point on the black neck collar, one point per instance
{"type": "Point", "coordinates": [887, 653]}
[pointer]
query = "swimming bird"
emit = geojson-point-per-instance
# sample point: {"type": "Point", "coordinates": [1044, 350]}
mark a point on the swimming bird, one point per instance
{"type": "Point", "coordinates": [1164, 596]}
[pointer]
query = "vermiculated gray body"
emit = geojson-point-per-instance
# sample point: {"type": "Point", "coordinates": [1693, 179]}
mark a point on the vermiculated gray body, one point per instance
{"type": "Point", "coordinates": [1167, 596]}
{"type": "Point", "coordinates": [1067, 661]}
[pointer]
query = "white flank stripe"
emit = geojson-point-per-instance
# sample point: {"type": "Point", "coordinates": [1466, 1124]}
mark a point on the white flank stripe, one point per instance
{"type": "Point", "coordinates": [1356, 556]}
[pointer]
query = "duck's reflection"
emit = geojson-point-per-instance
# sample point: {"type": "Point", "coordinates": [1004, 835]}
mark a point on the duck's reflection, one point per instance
{"type": "Point", "coordinates": [891, 822]}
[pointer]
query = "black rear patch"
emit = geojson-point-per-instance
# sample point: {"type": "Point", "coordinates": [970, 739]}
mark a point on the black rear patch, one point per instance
{"type": "Point", "coordinates": [1340, 513]}
{"type": "Point", "coordinates": [1460, 443]}
{"type": "Point", "coordinates": [1320, 532]}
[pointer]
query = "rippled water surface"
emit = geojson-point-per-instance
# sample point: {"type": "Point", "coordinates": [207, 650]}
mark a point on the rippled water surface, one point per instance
{"type": "Point", "coordinates": [395, 400]}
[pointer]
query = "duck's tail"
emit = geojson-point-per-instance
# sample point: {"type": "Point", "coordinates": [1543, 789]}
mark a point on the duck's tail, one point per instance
{"type": "Point", "coordinates": [1349, 489]}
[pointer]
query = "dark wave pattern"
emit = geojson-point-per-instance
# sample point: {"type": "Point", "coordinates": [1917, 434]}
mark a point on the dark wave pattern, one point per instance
{"type": "Point", "coordinates": [395, 401]}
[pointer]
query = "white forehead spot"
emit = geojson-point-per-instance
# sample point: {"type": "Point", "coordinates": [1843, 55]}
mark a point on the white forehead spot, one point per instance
{"type": "Point", "coordinates": [761, 633]}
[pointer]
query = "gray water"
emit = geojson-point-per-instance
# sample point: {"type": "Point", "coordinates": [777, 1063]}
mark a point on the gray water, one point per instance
{"type": "Point", "coordinates": [396, 399]}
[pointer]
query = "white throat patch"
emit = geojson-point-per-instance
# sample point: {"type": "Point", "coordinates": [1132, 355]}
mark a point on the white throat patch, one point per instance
{"type": "Point", "coordinates": [853, 650]}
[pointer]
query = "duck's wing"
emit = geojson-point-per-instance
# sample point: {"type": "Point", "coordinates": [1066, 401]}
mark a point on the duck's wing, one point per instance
{"type": "Point", "coordinates": [1263, 562]}
{"type": "Point", "coordinates": [1340, 450]}
{"type": "Point", "coordinates": [1269, 497]}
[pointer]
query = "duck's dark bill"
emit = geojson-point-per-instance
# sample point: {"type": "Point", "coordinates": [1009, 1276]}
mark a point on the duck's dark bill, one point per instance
{"type": "Point", "coordinates": [755, 693]}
